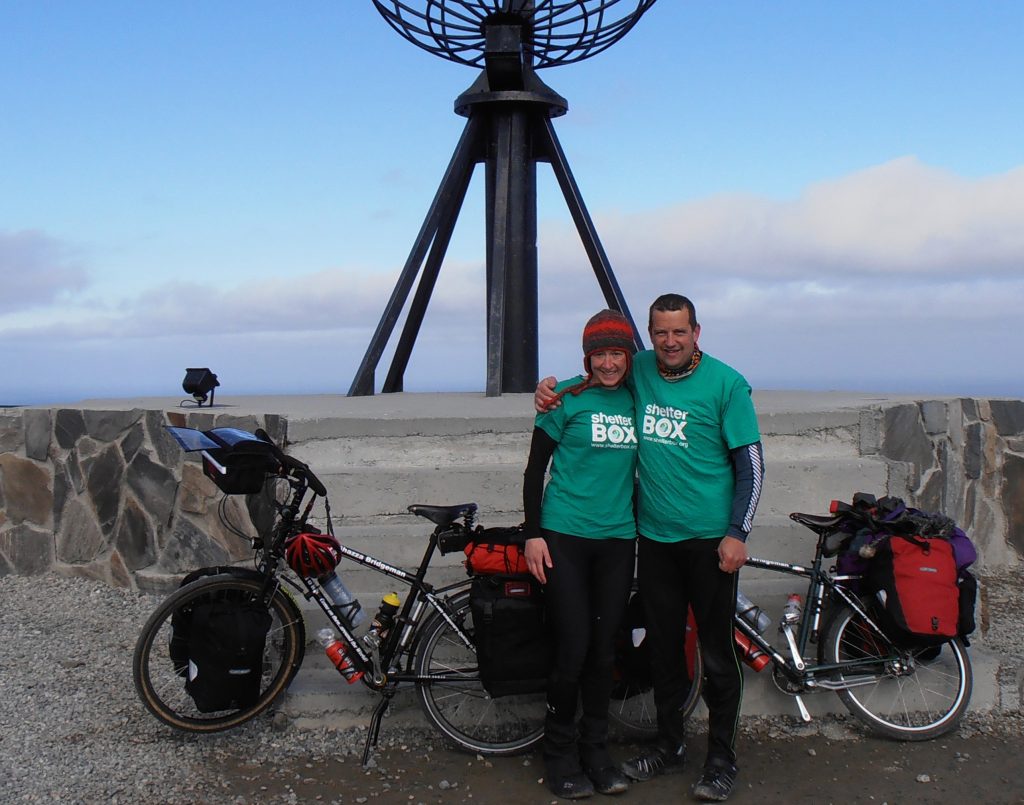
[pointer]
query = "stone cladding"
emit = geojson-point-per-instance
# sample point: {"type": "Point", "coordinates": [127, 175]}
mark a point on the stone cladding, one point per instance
{"type": "Point", "coordinates": [108, 494]}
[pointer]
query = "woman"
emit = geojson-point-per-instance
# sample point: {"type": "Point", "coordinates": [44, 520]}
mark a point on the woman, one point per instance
{"type": "Point", "coordinates": [580, 544]}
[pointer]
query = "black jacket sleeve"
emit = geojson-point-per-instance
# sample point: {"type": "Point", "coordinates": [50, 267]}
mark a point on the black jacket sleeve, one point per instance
{"type": "Point", "coordinates": [542, 446]}
{"type": "Point", "coordinates": [748, 466]}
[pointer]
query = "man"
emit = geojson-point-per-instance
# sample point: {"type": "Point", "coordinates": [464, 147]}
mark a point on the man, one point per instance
{"type": "Point", "coordinates": [700, 470]}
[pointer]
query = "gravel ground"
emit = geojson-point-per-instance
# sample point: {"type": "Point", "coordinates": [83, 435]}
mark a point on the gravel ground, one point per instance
{"type": "Point", "coordinates": [73, 731]}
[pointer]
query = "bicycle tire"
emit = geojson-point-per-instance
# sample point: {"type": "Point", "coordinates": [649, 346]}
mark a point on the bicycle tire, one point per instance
{"type": "Point", "coordinates": [634, 714]}
{"type": "Point", "coordinates": [912, 698]}
{"type": "Point", "coordinates": [632, 710]}
{"type": "Point", "coordinates": [161, 686]}
{"type": "Point", "coordinates": [458, 706]}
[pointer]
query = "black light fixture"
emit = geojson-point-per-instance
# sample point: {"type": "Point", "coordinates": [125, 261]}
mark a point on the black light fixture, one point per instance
{"type": "Point", "coordinates": [199, 383]}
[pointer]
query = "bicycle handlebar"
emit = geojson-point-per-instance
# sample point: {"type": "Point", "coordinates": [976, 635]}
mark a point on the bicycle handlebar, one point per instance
{"type": "Point", "coordinates": [292, 464]}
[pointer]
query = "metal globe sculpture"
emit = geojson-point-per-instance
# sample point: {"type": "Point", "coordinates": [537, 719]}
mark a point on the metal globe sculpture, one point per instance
{"type": "Point", "coordinates": [560, 32]}
{"type": "Point", "coordinates": [509, 130]}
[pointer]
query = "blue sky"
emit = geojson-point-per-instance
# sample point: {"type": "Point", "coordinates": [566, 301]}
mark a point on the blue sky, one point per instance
{"type": "Point", "coordinates": [839, 187]}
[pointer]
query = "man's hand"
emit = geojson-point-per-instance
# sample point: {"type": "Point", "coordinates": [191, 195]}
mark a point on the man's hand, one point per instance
{"type": "Point", "coordinates": [544, 396]}
{"type": "Point", "coordinates": [732, 554]}
{"type": "Point", "coordinates": [538, 558]}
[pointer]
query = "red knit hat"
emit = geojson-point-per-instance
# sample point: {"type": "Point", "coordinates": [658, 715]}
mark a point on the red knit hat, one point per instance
{"type": "Point", "coordinates": [607, 330]}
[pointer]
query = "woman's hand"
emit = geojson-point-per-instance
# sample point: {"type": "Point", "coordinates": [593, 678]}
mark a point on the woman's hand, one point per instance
{"type": "Point", "coordinates": [538, 558]}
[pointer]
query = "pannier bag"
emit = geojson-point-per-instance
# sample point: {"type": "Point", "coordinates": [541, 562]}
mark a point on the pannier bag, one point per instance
{"type": "Point", "coordinates": [968, 598]}
{"type": "Point", "coordinates": [226, 642]}
{"type": "Point", "coordinates": [496, 550]}
{"type": "Point", "coordinates": [510, 634]}
{"type": "Point", "coordinates": [892, 517]}
{"type": "Point", "coordinates": [915, 580]}
{"type": "Point", "coordinates": [217, 646]}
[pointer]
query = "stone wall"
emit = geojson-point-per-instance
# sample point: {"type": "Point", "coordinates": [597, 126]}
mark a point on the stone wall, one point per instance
{"type": "Point", "coordinates": [110, 495]}
{"type": "Point", "coordinates": [963, 457]}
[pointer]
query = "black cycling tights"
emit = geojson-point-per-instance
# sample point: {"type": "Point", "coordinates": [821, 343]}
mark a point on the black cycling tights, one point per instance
{"type": "Point", "coordinates": [586, 595]}
{"type": "Point", "coordinates": [673, 576]}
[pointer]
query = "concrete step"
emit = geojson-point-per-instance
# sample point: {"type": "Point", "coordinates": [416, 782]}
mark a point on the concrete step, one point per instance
{"type": "Point", "coordinates": [320, 697]}
{"type": "Point", "coordinates": [347, 455]}
{"type": "Point", "coordinates": [809, 484]}
{"type": "Point", "coordinates": [373, 492]}
{"type": "Point", "coordinates": [503, 425]}
{"type": "Point", "coordinates": [402, 540]}
{"type": "Point", "coordinates": [359, 495]}
{"type": "Point", "coordinates": [367, 452]}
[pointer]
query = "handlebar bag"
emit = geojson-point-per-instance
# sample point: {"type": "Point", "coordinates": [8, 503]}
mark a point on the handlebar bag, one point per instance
{"type": "Point", "coordinates": [237, 461]}
{"type": "Point", "coordinates": [510, 634]}
{"type": "Point", "coordinates": [915, 581]}
{"type": "Point", "coordinates": [241, 468]}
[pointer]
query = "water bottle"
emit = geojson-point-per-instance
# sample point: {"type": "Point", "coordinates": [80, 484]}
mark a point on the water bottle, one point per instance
{"type": "Point", "coordinates": [791, 612]}
{"type": "Point", "coordinates": [335, 649]}
{"type": "Point", "coordinates": [750, 652]}
{"type": "Point", "coordinates": [752, 613]}
{"type": "Point", "coordinates": [346, 604]}
{"type": "Point", "coordinates": [382, 621]}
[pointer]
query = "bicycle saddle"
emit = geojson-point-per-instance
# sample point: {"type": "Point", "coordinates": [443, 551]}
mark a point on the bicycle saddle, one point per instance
{"type": "Point", "coordinates": [817, 522]}
{"type": "Point", "coordinates": [443, 515]}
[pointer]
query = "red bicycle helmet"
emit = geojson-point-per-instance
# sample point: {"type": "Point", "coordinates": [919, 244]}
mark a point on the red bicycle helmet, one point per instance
{"type": "Point", "coordinates": [312, 554]}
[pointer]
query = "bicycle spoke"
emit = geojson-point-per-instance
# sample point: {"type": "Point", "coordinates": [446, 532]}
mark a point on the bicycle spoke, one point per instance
{"type": "Point", "coordinates": [161, 683]}
{"type": "Point", "coordinates": [911, 698]}
{"type": "Point", "coordinates": [461, 708]}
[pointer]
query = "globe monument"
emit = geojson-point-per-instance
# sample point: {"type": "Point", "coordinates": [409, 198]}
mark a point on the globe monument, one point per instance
{"type": "Point", "coordinates": [509, 112]}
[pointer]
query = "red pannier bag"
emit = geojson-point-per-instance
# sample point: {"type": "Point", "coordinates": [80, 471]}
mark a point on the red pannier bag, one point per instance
{"type": "Point", "coordinates": [915, 581]}
{"type": "Point", "coordinates": [496, 551]}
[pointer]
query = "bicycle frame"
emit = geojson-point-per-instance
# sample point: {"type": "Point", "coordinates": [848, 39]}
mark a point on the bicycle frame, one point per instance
{"type": "Point", "coordinates": [398, 641]}
{"type": "Point", "coordinates": [821, 585]}
{"type": "Point", "coordinates": [378, 671]}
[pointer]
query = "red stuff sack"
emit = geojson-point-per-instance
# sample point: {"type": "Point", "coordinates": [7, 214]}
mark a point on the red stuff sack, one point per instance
{"type": "Point", "coordinates": [496, 551]}
{"type": "Point", "coordinates": [915, 582]}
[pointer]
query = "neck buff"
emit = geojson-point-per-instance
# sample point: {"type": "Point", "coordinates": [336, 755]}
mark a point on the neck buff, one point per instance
{"type": "Point", "coordinates": [682, 371]}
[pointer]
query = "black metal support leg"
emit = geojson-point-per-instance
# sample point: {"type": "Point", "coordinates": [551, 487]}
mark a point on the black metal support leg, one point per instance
{"type": "Point", "coordinates": [459, 169]}
{"type": "Point", "coordinates": [509, 131]}
{"type": "Point", "coordinates": [519, 369]}
{"type": "Point", "coordinates": [446, 226]}
{"type": "Point", "coordinates": [498, 179]}
{"type": "Point", "coordinates": [585, 226]}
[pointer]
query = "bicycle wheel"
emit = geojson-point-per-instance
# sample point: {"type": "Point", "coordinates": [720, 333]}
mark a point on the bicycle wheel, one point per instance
{"type": "Point", "coordinates": [908, 695]}
{"type": "Point", "coordinates": [632, 709]}
{"type": "Point", "coordinates": [160, 680]}
{"type": "Point", "coordinates": [456, 703]}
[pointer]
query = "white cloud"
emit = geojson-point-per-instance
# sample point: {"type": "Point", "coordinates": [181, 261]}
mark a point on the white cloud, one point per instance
{"type": "Point", "coordinates": [898, 275]}
{"type": "Point", "coordinates": [900, 218]}
{"type": "Point", "coordinates": [35, 269]}
{"type": "Point", "coordinates": [331, 300]}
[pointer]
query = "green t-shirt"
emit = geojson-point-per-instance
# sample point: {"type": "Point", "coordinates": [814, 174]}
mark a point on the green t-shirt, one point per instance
{"type": "Point", "coordinates": [590, 493]}
{"type": "Point", "coordinates": [686, 429]}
